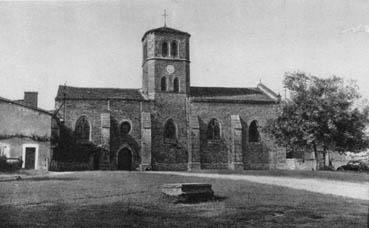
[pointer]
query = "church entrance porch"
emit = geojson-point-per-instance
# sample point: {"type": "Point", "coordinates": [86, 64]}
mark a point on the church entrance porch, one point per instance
{"type": "Point", "coordinates": [124, 159]}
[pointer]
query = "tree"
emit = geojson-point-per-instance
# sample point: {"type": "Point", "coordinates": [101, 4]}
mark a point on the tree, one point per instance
{"type": "Point", "coordinates": [320, 114]}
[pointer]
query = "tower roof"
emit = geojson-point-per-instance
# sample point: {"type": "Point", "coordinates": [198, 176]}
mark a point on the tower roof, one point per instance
{"type": "Point", "coordinates": [165, 30]}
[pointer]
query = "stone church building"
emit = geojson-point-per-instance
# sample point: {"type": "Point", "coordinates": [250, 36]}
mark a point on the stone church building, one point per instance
{"type": "Point", "coordinates": [169, 124]}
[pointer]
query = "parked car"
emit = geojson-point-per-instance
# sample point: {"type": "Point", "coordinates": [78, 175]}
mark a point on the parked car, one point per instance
{"type": "Point", "coordinates": [357, 165]}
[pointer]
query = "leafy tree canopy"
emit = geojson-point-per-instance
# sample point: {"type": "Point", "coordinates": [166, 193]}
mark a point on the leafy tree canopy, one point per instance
{"type": "Point", "coordinates": [320, 114]}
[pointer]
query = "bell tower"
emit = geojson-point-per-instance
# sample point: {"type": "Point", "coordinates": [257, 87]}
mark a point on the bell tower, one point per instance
{"type": "Point", "coordinates": [166, 62]}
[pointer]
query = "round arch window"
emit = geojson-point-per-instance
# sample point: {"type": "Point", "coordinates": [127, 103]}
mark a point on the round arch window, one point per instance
{"type": "Point", "coordinates": [125, 128]}
{"type": "Point", "coordinates": [170, 129]}
{"type": "Point", "coordinates": [254, 135]}
{"type": "Point", "coordinates": [164, 49]}
{"type": "Point", "coordinates": [213, 132]}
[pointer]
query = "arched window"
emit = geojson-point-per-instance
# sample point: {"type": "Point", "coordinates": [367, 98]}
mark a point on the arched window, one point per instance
{"type": "Point", "coordinates": [125, 128]}
{"type": "Point", "coordinates": [213, 129]}
{"type": "Point", "coordinates": [164, 49]}
{"type": "Point", "coordinates": [169, 130]}
{"type": "Point", "coordinates": [145, 51]}
{"type": "Point", "coordinates": [174, 49]}
{"type": "Point", "coordinates": [163, 84]}
{"type": "Point", "coordinates": [254, 135]}
{"type": "Point", "coordinates": [176, 85]}
{"type": "Point", "coordinates": [82, 131]}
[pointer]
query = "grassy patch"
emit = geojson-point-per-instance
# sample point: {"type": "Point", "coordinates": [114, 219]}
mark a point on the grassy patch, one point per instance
{"type": "Point", "coordinates": [106, 199]}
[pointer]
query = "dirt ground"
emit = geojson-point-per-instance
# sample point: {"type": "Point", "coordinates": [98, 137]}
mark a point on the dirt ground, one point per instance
{"type": "Point", "coordinates": [134, 199]}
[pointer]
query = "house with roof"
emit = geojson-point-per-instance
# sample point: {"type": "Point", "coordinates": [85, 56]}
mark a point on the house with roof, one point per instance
{"type": "Point", "coordinates": [25, 131]}
{"type": "Point", "coordinates": [169, 124]}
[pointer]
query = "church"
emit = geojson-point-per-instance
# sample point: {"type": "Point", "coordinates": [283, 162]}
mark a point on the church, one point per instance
{"type": "Point", "coordinates": [169, 124]}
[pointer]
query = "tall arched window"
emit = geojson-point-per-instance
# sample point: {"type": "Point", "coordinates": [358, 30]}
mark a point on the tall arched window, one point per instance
{"type": "Point", "coordinates": [254, 135]}
{"type": "Point", "coordinates": [170, 129]}
{"type": "Point", "coordinates": [176, 85]}
{"type": "Point", "coordinates": [174, 49]}
{"type": "Point", "coordinates": [82, 131]}
{"type": "Point", "coordinates": [163, 84]}
{"type": "Point", "coordinates": [213, 129]}
{"type": "Point", "coordinates": [164, 49]}
{"type": "Point", "coordinates": [145, 51]}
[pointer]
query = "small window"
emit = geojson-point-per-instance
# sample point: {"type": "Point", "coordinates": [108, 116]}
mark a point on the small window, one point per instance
{"type": "Point", "coordinates": [125, 128]}
{"type": "Point", "coordinates": [82, 131]}
{"type": "Point", "coordinates": [164, 49]}
{"type": "Point", "coordinates": [254, 135]}
{"type": "Point", "coordinates": [169, 130]}
{"type": "Point", "coordinates": [176, 85]}
{"type": "Point", "coordinates": [145, 51]}
{"type": "Point", "coordinates": [174, 49]}
{"type": "Point", "coordinates": [213, 130]}
{"type": "Point", "coordinates": [163, 84]}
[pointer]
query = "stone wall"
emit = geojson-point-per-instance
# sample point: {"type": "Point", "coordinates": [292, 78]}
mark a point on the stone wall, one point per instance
{"type": "Point", "coordinates": [129, 111]}
{"type": "Point", "coordinates": [218, 154]}
{"type": "Point", "coordinates": [191, 149]}
{"type": "Point", "coordinates": [169, 154]}
{"type": "Point", "coordinates": [92, 109]}
{"type": "Point", "coordinates": [180, 72]}
{"type": "Point", "coordinates": [120, 111]}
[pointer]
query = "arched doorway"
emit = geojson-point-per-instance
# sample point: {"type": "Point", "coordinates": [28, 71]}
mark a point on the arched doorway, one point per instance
{"type": "Point", "coordinates": [124, 159]}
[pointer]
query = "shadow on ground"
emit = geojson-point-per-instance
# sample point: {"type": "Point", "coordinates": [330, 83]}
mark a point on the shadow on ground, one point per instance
{"type": "Point", "coordinates": [125, 214]}
{"type": "Point", "coordinates": [193, 199]}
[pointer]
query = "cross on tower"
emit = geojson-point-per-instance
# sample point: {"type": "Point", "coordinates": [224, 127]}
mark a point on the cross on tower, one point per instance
{"type": "Point", "coordinates": [165, 18]}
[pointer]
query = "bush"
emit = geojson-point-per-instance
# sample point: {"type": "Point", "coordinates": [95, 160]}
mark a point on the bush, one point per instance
{"type": "Point", "coordinates": [70, 166]}
{"type": "Point", "coordinates": [3, 163]}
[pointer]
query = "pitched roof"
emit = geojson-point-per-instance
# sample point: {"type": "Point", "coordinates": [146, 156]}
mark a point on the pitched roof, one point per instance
{"type": "Point", "coordinates": [230, 95]}
{"type": "Point", "coordinates": [83, 93]}
{"type": "Point", "coordinates": [21, 103]}
{"type": "Point", "coordinates": [165, 30]}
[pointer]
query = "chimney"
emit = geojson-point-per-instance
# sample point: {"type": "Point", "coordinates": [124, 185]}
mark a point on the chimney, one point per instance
{"type": "Point", "coordinates": [30, 99]}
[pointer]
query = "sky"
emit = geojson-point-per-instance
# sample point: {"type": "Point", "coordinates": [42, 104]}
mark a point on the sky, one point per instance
{"type": "Point", "coordinates": [233, 43]}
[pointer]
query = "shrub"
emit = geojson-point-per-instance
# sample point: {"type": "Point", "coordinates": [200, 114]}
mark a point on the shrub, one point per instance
{"type": "Point", "coordinates": [3, 163]}
{"type": "Point", "coordinates": [10, 165]}
{"type": "Point", "coordinates": [70, 166]}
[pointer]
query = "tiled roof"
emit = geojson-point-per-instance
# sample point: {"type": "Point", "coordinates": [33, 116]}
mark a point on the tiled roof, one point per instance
{"type": "Point", "coordinates": [232, 95]}
{"type": "Point", "coordinates": [165, 30]}
{"type": "Point", "coordinates": [81, 93]}
{"type": "Point", "coordinates": [21, 103]}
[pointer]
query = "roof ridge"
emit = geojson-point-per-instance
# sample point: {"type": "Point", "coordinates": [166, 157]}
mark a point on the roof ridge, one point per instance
{"type": "Point", "coordinates": [26, 106]}
{"type": "Point", "coordinates": [268, 91]}
{"type": "Point", "coordinates": [164, 29]}
{"type": "Point", "coordinates": [222, 87]}
{"type": "Point", "coordinates": [78, 87]}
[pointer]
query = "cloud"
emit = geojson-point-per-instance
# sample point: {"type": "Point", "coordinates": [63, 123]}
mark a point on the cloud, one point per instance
{"type": "Point", "coordinates": [357, 29]}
